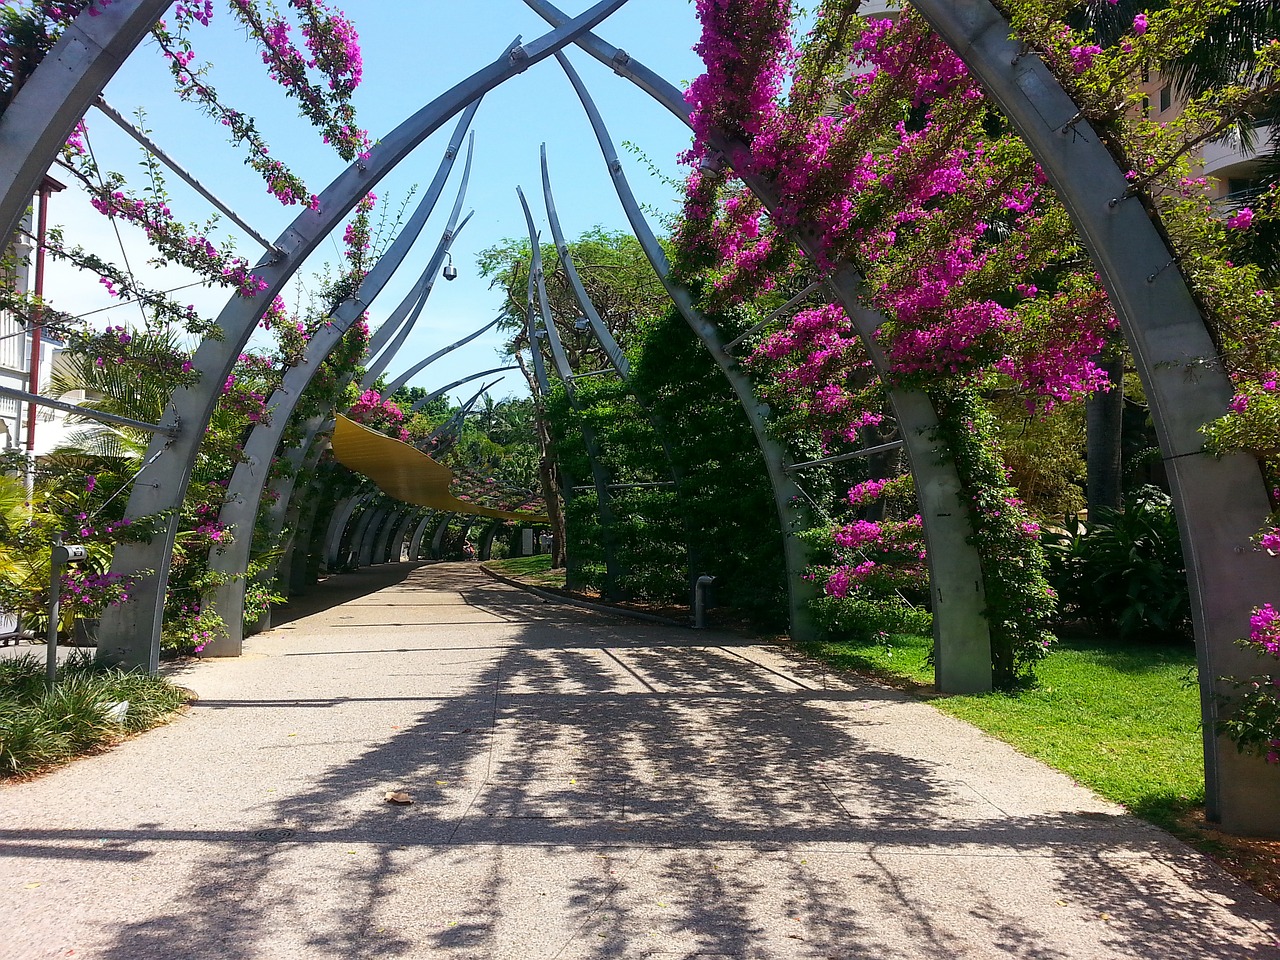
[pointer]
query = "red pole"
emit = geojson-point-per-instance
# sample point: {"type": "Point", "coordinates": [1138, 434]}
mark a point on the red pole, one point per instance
{"type": "Point", "coordinates": [36, 315]}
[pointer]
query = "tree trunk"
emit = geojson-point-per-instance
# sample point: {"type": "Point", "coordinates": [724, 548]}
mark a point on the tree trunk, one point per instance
{"type": "Point", "coordinates": [1104, 413]}
{"type": "Point", "coordinates": [547, 472]}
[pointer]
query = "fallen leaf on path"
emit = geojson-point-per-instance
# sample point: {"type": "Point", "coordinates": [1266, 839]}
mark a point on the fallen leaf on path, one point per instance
{"type": "Point", "coordinates": [397, 796]}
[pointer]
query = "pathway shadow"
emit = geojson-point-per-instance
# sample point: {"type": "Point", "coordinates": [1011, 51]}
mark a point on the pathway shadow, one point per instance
{"type": "Point", "coordinates": [607, 789]}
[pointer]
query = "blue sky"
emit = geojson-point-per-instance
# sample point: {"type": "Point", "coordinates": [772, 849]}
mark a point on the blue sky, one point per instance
{"type": "Point", "coordinates": [412, 52]}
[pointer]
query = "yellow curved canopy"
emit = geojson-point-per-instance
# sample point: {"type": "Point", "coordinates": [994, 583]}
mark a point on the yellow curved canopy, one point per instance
{"type": "Point", "coordinates": [406, 473]}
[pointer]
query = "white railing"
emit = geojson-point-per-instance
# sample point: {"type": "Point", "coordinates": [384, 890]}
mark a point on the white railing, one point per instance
{"type": "Point", "coordinates": [13, 344]}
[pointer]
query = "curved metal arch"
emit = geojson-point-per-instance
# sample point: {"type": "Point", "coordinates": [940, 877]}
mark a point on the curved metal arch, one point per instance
{"type": "Point", "coordinates": [421, 365]}
{"type": "Point", "coordinates": [1172, 349]}
{"type": "Point", "coordinates": [437, 538]}
{"type": "Point", "coordinates": [130, 633]}
{"type": "Point", "coordinates": [362, 539]}
{"type": "Point", "coordinates": [599, 474]}
{"type": "Point", "coordinates": [440, 391]}
{"type": "Point", "coordinates": [337, 524]}
{"type": "Point", "coordinates": [962, 638]}
{"type": "Point", "coordinates": [396, 548]}
{"type": "Point", "coordinates": [786, 494]}
{"type": "Point", "coordinates": [244, 491]}
{"type": "Point", "coordinates": [384, 332]}
{"type": "Point", "coordinates": [292, 573]}
{"type": "Point", "coordinates": [486, 540]}
{"type": "Point", "coordinates": [376, 367]}
{"type": "Point", "coordinates": [347, 536]}
{"type": "Point", "coordinates": [617, 359]}
{"type": "Point", "coordinates": [415, 542]}
{"type": "Point", "coordinates": [382, 546]}
{"type": "Point", "coordinates": [59, 92]}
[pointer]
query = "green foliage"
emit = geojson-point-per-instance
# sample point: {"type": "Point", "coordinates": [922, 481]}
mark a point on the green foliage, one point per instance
{"type": "Point", "coordinates": [1044, 452]}
{"type": "Point", "coordinates": [861, 619]}
{"type": "Point", "coordinates": [1020, 602]}
{"type": "Point", "coordinates": [1124, 573]}
{"type": "Point", "coordinates": [38, 728]}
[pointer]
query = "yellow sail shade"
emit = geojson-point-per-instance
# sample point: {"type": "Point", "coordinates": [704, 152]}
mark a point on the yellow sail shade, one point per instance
{"type": "Point", "coordinates": [406, 473]}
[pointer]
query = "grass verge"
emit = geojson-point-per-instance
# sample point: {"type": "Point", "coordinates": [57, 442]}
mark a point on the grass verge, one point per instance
{"type": "Point", "coordinates": [39, 728]}
{"type": "Point", "coordinates": [1123, 719]}
{"type": "Point", "coordinates": [535, 570]}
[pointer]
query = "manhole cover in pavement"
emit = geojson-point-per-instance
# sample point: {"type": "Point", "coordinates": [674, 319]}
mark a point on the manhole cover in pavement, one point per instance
{"type": "Point", "coordinates": [275, 834]}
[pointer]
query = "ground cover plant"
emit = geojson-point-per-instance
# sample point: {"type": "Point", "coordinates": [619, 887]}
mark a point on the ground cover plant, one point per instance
{"type": "Point", "coordinates": [39, 728]}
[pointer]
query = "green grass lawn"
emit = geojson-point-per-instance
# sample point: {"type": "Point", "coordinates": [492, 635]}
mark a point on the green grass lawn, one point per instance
{"type": "Point", "coordinates": [1123, 719]}
{"type": "Point", "coordinates": [535, 570]}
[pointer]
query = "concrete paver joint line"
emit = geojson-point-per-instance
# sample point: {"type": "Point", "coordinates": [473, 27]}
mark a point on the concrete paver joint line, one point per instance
{"type": "Point", "coordinates": [583, 787]}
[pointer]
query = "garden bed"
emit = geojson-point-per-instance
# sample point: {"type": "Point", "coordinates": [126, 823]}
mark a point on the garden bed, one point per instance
{"type": "Point", "coordinates": [39, 729]}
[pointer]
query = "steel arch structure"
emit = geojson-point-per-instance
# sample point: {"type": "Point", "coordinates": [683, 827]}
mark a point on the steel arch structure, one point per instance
{"type": "Point", "coordinates": [1161, 321]}
{"type": "Point", "coordinates": [130, 632]}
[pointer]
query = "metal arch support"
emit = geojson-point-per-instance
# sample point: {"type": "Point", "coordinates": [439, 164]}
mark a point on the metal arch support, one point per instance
{"type": "Point", "coordinates": [421, 365]}
{"type": "Point", "coordinates": [421, 290]}
{"type": "Point", "coordinates": [376, 367]}
{"type": "Point", "coordinates": [599, 473]}
{"type": "Point", "coordinates": [1170, 343]}
{"type": "Point", "coordinates": [786, 493]}
{"type": "Point", "coordinates": [437, 539]}
{"type": "Point", "coordinates": [439, 392]}
{"type": "Point", "coordinates": [382, 546]}
{"type": "Point", "coordinates": [244, 491]}
{"type": "Point", "coordinates": [531, 328]}
{"type": "Point", "coordinates": [60, 92]}
{"type": "Point", "coordinates": [616, 358]}
{"type": "Point", "coordinates": [291, 574]}
{"type": "Point", "coordinates": [486, 540]}
{"type": "Point", "coordinates": [338, 526]}
{"type": "Point", "coordinates": [415, 542]}
{"type": "Point", "coordinates": [396, 550]}
{"type": "Point", "coordinates": [362, 543]}
{"type": "Point", "coordinates": [962, 637]}
{"type": "Point", "coordinates": [383, 333]}
{"type": "Point", "coordinates": [130, 632]}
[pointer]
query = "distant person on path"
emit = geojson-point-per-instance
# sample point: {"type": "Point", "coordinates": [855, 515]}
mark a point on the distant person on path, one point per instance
{"type": "Point", "coordinates": [468, 551]}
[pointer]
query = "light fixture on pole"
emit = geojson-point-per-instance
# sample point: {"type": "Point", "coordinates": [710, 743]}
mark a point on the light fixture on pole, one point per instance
{"type": "Point", "coordinates": [450, 271]}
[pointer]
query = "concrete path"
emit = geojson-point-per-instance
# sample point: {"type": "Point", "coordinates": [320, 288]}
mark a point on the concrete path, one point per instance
{"type": "Point", "coordinates": [585, 787]}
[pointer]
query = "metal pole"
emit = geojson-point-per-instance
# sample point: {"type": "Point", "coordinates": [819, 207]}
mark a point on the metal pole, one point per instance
{"type": "Point", "coordinates": [173, 165]}
{"type": "Point", "coordinates": [855, 455]}
{"type": "Point", "coordinates": [37, 400]}
{"type": "Point", "coordinates": [794, 301]}
{"type": "Point", "coordinates": [55, 611]}
{"type": "Point", "coordinates": [34, 380]}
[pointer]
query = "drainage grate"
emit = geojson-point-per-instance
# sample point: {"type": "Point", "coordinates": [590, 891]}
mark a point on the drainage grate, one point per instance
{"type": "Point", "coordinates": [275, 834]}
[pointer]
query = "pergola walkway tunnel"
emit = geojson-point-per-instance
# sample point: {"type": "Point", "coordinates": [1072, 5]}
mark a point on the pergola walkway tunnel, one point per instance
{"type": "Point", "coordinates": [891, 230]}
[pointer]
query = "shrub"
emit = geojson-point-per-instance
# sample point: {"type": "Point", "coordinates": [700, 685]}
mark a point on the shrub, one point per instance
{"type": "Point", "coordinates": [862, 619]}
{"type": "Point", "coordinates": [1124, 572]}
{"type": "Point", "coordinates": [39, 728]}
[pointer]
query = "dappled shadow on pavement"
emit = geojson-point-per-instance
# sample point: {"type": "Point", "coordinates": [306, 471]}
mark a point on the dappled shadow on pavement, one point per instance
{"type": "Point", "coordinates": [585, 787]}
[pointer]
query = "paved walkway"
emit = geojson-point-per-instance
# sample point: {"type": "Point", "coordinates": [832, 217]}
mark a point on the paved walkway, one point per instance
{"type": "Point", "coordinates": [585, 786]}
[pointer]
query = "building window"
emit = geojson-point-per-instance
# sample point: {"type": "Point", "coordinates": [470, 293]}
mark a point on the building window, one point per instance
{"type": "Point", "coordinates": [1166, 98]}
{"type": "Point", "coordinates": [1240, 189]}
